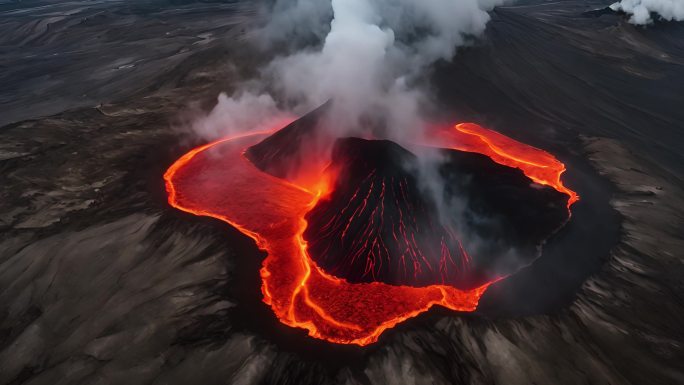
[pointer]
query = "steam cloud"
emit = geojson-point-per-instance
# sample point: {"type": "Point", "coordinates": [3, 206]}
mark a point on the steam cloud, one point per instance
{"type": "Point", "coordinates": [366, 55]}
{"type": "Point", "coordinates": [641, 10]}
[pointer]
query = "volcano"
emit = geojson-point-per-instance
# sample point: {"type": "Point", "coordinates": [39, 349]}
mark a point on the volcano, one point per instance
{"type": "Point", "coordinates": [326, 222]}
{"type": "Point", "coordinates": [379, 223]}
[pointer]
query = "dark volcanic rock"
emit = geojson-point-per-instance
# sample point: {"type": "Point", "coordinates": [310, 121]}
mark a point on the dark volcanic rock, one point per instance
{"type": "Point", "coordinates": [504, 209]}
{"type": "Point", "coordinates": [381, 223]}
{"type": "Point", "coordinates": [284, 152]}
{"type": "Point", "coordinates": [377, 225]}
{"type": "Point", "coordinates": [600, 12]}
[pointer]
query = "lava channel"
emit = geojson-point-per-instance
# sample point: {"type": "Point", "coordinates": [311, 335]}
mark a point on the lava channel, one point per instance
{"type": "Point", "coordinates": [217, 180]}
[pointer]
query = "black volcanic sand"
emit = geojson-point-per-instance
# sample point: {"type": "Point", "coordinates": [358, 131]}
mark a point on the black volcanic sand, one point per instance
{"type": "Point", "coordinates": [102, 282]}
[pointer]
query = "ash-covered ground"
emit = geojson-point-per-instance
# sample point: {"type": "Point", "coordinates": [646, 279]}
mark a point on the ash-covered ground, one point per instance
{"type": "Point", "coordinates": [101, 282]}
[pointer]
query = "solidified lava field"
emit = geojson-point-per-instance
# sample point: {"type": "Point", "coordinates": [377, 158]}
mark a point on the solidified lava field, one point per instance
{"type": "Point", "coordinates": [103, 282]}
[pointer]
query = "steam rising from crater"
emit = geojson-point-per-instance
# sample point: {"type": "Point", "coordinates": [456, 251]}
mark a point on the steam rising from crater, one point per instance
{"type": "Point", "coordinates": [366, 55]}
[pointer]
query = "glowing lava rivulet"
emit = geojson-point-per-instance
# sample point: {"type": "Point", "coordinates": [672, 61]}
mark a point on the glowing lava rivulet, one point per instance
{"type": "Point", "coordinates": [217, 180]}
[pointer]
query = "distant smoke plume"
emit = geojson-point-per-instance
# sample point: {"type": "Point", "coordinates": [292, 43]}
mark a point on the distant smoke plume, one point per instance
{"type": "Point", "coordinates": [367, 56]}
{"type": "Point", "coordinates": [641, 11]}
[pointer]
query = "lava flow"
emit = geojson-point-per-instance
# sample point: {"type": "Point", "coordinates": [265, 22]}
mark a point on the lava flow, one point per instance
{"type": "Point", "coordinates": [217, 180]}
{"type": "Point", "coordinates": [538, 165]}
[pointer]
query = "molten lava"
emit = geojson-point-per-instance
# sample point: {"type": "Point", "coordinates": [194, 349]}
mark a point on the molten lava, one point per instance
{"type": "Point", "coordinates": [540, 166]}
{"type": "Point", "coordinates": [217, 180]}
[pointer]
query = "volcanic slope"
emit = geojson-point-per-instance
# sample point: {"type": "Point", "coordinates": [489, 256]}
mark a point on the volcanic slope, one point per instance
{"type": "Point", "coordinates": [381, 223]}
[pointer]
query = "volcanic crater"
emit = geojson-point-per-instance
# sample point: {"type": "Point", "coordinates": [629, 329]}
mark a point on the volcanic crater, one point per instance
{"type": "Point", "coordinates": [381, 221]}
{"type": "Point", "coordinates": [355, 243]}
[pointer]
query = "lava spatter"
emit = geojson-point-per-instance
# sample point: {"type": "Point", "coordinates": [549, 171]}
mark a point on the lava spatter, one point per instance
{"type": "Point", "coordinates": [217, 180]}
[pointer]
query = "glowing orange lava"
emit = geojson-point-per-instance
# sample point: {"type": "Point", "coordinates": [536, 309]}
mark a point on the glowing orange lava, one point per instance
{"type": "Point", "coordinates": [216, 180]}
{"type": "Point", "coordinates": [538, 165]}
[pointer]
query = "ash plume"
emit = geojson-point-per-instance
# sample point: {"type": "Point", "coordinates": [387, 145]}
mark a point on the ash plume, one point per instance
{"type": "Point", "coordinates": [642, 11]}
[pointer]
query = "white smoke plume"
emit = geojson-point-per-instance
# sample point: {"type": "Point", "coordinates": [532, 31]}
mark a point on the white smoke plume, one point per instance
{"type": "Point", "coordinates": [641, 11]}
{"type": "Point", "coordinates": [241, 112]}
{"type": "Point", "coordinates": [365, 55]}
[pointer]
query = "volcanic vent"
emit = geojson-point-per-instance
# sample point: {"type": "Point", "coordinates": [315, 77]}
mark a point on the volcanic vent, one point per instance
{"type": "Point", "coordinates": [355, 244]}
{"type": "Point", "coordinates": [377, 222]}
